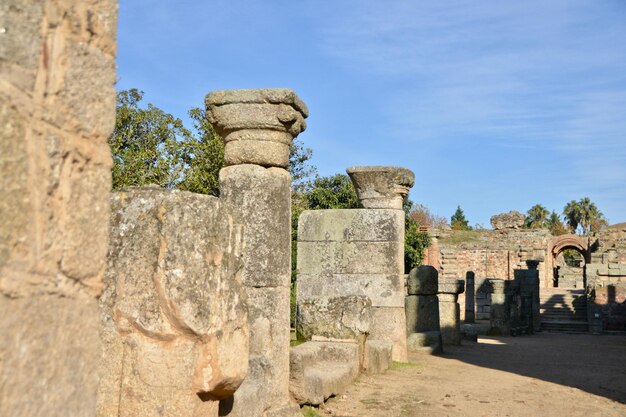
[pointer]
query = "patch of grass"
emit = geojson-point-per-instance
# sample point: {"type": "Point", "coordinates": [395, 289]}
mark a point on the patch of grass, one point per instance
{"type": "Point", "coordinates": [308, 411]}
{"type": "Point", "coordinates": [296, 342]}
{"type": "Point", "coordinates": [398, 365]}
{"type": "Point", "coordinates": [458, 237]}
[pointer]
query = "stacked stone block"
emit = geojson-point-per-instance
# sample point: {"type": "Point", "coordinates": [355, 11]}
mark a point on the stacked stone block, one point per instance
{"type": "Point", "coordinates": [356, 255]}
{"type": "Point", "coordinates": [174, 320]}
{"type": "Point", "coordinates": [57, 109]}
{"type": "Point", "coordinates": [422, 310]}
{"type": "Point", "coordinates": [258, 127]}
{"type": "Point", "coordinates": [450, 311]}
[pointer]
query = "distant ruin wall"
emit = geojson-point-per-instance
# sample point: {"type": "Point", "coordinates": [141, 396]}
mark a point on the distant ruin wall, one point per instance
{"type": "Point", "coordinates": [57, 109]}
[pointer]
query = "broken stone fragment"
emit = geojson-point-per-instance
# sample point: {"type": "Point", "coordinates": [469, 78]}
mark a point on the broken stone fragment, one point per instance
{"type": "Point", "coordinates": [381, 187]}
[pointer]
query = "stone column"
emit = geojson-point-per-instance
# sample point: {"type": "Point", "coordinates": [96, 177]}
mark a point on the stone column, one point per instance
{"type": "Point", "coordinates": [258, 127]}
{"type": "Point", "coordinates": [422, 310]}
{"type": "Point", "coordinates": [450, 311]}
{"type": "Point", "coordinates": [469, 297]}
{"type": "Point", "coordinates": [499, 320]}
{"type": "Point", "coordinates": [57, 110]}
{"type": "Point", "coordinates": [384, 188]}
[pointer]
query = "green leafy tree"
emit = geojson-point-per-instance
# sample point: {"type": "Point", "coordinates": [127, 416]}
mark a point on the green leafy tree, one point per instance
{"type": "Point", "coordinates": [333, 192]}
{"type": "Point", "coordinates": [145, 144]}
{"type": "Point", "coordinates": [536, 217]}
{"type": "Point", "coordinates": [415, 241]}
{"type": "Point", "coordinates": [555, 224]}
{"type": "Point", "coordinates": [458, 220]}
{"type": "Point", "coordinates": [203, 155]}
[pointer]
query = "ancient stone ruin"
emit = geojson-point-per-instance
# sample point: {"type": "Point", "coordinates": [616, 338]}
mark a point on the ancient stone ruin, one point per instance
{"type": "Point", "coordinates": [152, 302]}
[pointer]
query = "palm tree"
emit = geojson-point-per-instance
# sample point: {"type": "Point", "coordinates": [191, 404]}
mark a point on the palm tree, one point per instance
{"type": "Point", "coordinates": [584, 213]}
{"type": "Point", "coordinates": [537, 217]}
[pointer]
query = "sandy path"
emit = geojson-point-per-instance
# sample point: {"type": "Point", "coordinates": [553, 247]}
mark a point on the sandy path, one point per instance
{"type": "Point", "coordinates": [546, 374]}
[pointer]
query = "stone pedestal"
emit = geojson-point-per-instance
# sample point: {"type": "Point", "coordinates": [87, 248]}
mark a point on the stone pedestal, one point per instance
{"type": "Point", "coordinates": [450, 311]}
{"type": "Point", "coordinates": [258, 127]}
{"type": "Point", "coordinates": [422, 310]}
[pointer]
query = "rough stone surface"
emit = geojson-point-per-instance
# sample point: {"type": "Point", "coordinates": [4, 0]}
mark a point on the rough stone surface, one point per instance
{"type": "Point", "coordinates": [425, 342]}
{"type": "Point", "coordinates": [357, 225]}
{"type": "Point", "coordinates": [341, 317]}
{"type": "Point", "coordinates": [381, 187]}
{"type": "Point", "coordinates": [261, 198]}
{"type": "Point", "coordinates": [377, 356]}
{"type": "Point", "coordinates": [257, 125]}
{"type": "Point", "coordinates": [390, 324]}
{"type": "Point", "coordinates": [423, 280]}
{"type": "Point", "coordinates": [57, 109]}
{"type": "Point", "coordinates": [450, 318]}
{"type": "Point", "coordinates": [175, 327]}
{"type": "Point", "coordinates": [511, 220]}
{"type": "Point", "coordinates": [382, 290]}
{"type": "Point", "coordinates": [422, 313]}
{"type": "Point", "coordinates": [319, 370]}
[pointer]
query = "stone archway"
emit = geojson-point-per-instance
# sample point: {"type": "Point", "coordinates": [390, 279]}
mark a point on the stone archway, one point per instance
{"type": "Point", "coordinates": [557, 246]}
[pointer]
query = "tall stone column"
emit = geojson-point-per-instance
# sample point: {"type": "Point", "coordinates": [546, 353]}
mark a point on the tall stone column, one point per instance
{"type": "Point", "coordinates": [450, 311]}
{"type": "Point", "coordinates": [383, 189]}
{"type": "Point", "coordinates": [258, 127]}
{"type": "Point", "coordinates": [469, 297]}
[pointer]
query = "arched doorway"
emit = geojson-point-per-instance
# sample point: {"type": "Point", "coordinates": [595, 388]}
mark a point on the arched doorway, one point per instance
{"type": "Point", "coordinates": [570, 254]}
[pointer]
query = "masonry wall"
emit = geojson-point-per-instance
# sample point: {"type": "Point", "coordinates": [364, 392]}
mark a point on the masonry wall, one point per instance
{"type": "Point", "coordinates": [57, 109]}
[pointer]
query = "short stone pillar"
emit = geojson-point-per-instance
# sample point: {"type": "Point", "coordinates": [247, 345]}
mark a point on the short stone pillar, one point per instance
{"type": "Point", "coordinates": [499, 320]}
{"type": "Point", "coordinates": [422, 310]}
{"type": "Point", "coordinates": [450, 311]}
{"type": "Point", "coordinates": [257, 127]}
{"type": "Point", "coordinates": [384, 188]}
{"type": "Point", "coordinates": [469, 297]}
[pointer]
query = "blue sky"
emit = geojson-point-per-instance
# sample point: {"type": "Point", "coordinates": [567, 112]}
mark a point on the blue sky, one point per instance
{"type": "Point", "coordinates": [495, 105]}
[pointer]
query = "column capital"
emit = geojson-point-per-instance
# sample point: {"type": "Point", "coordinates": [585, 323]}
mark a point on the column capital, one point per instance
{"type": "Point", "coordinates": [381, 187]}
{"type": "Point", "coordinates": [257, 125]}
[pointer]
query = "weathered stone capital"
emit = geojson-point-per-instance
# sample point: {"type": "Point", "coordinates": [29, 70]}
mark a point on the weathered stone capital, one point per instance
{"type": "Point", "coordinates": [257, 125]}
{"type": "Point", "coordinates": [380, 187]}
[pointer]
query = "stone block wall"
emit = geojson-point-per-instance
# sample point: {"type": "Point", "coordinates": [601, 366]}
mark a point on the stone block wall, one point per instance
{"type": "Point", "coordinates": [606, 287]}
{"type": "Point", "coordinates": [57, 109]}
{"type": "Point", "coordinates": [350, 255]}
{"type": "Point", "coordinates": [175, 328]}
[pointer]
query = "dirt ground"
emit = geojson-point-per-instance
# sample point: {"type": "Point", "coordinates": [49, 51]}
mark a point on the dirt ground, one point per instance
{"type": "Point", "coordinates": [547, 374]}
